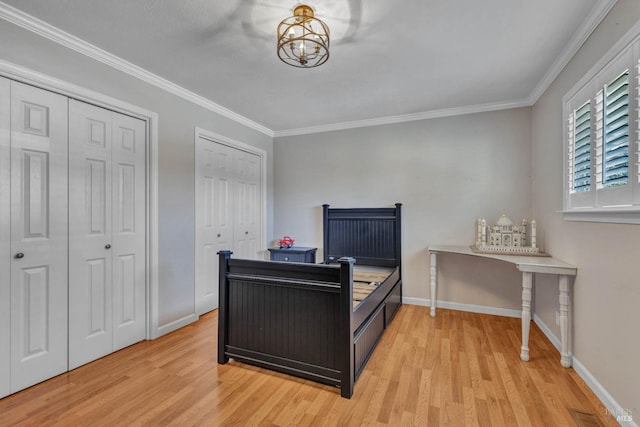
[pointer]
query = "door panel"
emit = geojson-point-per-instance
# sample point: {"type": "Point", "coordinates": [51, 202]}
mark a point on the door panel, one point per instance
{"type": "Point", "coordinates": [221, 173]}
{"type": "Point", "coordinates": [241, 241]}
{"type": "Point", "coordinates": [90, 263]}
{"type": "Point", "coordinates": [129, 230]}
{"type": "Point", "coordinates": [214, 217]}
{"type": "Point", "coordinates": [96, 282]}
{"type": "Point", "coordinates": [126, 267]}
{"type": "Point", "coordinates": [33, 291]}
{"type": "Point", "coordinates": [5, 237]}
{"type": "Point", "coordinates": [38, 235]}
{"type": "Point", "coordinates": [247, 209]}
{"type": "Point", "coordinates": [36, 180]}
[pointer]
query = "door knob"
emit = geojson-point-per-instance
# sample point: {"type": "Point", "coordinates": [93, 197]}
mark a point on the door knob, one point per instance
{"type": "Point", "coordinates": [107, 246]}
{"type": "Point", "coordinates": [19, 255]}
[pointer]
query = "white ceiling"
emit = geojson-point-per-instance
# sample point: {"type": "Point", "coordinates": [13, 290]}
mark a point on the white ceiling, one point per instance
{"type": "Point", "coordinates": [390, 60]}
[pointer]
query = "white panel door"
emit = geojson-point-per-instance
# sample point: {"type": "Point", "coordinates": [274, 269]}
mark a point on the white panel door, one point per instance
{"type": "Point", "coordinates": [247, 205]}
{"type": "Point", "coordinates": [90, 262]}
{"type": "Point", "coordinates": [214, 217]}
{"type": "Point", "coordinates": [5, 236]}
{"type": "Point", "coordinates": [128, 245]}
{"type": "Point", "coordinates": [107, 232]}
{"type": "Point", "coordinates": [38, 235]}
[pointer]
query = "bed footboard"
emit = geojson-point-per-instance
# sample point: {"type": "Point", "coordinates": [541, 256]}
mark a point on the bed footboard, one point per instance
{"type": "Point", "coordinates": [293, 318]}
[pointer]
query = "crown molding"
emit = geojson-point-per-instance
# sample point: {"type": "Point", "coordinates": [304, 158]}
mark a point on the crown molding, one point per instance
{"type": "Point", "coordinates": [595, 17]}
{"type": "Point", "coordinates": [434, 114]}
{"type": "Point", "coordinates": [56, 35]}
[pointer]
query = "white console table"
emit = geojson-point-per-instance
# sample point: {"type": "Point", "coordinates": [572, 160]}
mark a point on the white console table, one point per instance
{"type": "Point", "coordinates": [527, 265]}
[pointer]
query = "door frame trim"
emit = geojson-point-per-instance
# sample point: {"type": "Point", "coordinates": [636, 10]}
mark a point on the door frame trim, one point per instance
{"type": "Point", "coordinates": [5, 239]}
{"type": "Point", "coordinates": [70, 90]}
{"type": "Point", "coordinates": [238, 145]}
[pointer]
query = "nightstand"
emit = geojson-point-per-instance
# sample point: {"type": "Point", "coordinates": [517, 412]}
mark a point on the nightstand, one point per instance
{"type": "Point", "coordinates": [294, 254]}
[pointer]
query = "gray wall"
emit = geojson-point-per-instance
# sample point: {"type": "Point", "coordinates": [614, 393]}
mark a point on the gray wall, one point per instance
{"type": "Point", "coordinates": [177, 120]}
{"type": "Point", "coordinates": [447, 172]}
{"type": "Point", "coordinates": [607, 287]}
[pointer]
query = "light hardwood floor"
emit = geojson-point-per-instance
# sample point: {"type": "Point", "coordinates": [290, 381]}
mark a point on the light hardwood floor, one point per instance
{"type": "Point", "coordinates": [457, 369]}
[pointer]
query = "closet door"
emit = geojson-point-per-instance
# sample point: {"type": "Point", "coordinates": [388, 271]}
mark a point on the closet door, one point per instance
{"type": "Point", "coordinates": [90, 263]}
{"type": "Point", "coordinates": [38, 235]}
{"type": "Point", "coordinates": [228, 212]}
{"type": "Point", "coordinates": [107, 232]}
{"type": "Point", "coordinates": [214, 217]}
{"type": "Point", "coordinates": [129, 233]}
{"type": "Point", "coordinates": [247, 204]}
{"type": "Point", "coordinates": [5, 236]}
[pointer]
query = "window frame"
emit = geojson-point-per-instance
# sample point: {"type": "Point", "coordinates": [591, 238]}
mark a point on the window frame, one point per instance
{"type": "Point", "coordinates": [600, 203]}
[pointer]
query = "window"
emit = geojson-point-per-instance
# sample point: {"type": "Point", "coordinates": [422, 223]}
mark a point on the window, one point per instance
{"type": "Point", "coordinates": [602, 142]}
{"type": "Point", "coordinates": [580, 149]}
{"type": "Point", "coordinates": [615, 136]}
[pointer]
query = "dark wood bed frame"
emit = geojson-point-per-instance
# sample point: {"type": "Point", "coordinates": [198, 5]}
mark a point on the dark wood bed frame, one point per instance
{"type": "Point", "coordinates": [299, 318]}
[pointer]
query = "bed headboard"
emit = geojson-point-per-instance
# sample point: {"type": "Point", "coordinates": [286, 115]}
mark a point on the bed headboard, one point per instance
{"type": "Point", "coordinates": [370, 235]}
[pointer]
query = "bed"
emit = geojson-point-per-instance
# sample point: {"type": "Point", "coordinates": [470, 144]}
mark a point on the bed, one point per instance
{"type": "Point", "coordinates": [316, 321]}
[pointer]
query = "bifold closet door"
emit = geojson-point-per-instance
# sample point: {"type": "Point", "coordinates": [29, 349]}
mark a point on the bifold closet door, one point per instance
{"type": "Point", "coordinates": [39, 235]}
{"type": "Point", "coordinates": [214, 217]}
{"type": "Point", "coordinates": [106, 233]}
{"type": "Point", "coordinates": [247, 204]}
{"type": "Point", "coordinates": [129, 231]}
{"type": "Point", "coordinates": [228, 212]}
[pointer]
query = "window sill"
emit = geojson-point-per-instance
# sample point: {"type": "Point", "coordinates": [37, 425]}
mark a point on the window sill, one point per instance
{"type": "Point", "coordinates": [617, 216]}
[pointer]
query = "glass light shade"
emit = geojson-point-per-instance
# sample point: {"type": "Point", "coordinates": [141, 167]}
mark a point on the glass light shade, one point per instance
{"type": "Point", "coordinates": [303, 39]}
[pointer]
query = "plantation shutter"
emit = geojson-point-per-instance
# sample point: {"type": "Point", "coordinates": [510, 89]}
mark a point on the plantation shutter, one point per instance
{"type": "Point", "coordinates": [615, 146]}
{"type": "Point", "coordinates": [581, 156]}
{"type": "Point", "coordinates": [601, 141]}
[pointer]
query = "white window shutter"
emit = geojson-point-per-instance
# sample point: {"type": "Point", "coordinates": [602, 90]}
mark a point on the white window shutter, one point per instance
{"type": "Point", "coordinates": [599, 125]}
{"type": "Point", "coordinates": [581, 155]}
{"type": "Point", "coordinates": [602, 140]}
{"type": "Point", "coordinates": [615, 146]}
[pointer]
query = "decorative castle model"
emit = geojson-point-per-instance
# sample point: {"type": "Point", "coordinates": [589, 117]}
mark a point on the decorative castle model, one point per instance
{"type": "Point", "coordinates": [505, 238]}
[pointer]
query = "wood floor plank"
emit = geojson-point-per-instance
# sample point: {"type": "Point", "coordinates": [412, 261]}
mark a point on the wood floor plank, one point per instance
{"type": "Point", "coordinates": [422, 408]}
{"type": "Point", "coordinates": [455, 369]}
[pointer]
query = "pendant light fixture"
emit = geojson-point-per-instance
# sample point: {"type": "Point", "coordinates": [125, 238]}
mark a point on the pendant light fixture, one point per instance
{"type": "Point", "coordinates": [303, 39]}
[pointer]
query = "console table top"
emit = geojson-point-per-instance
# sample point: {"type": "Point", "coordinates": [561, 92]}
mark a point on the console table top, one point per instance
{"type": "Point", "coordinates": [533, 264]}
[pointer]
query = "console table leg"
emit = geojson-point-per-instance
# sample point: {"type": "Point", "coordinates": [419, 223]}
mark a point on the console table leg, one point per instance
{"type": "Point", "coordinates": [565, 352]}
{"type": "Point", "coordinates": [434, 278]}
{"type": "Point", "coordinates": [527, 285]}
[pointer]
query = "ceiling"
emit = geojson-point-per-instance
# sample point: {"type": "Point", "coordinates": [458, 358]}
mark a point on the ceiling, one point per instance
{"type": "Point", "coordinates": [389, 61]}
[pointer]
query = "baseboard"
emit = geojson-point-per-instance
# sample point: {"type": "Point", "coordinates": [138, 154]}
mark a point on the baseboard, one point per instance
{"type": "Point", "coordinates": [175, 325]}
{"type": "Point", "coordinates": [417, 301]}
{"type": "Point", "coordinates": [614, 410]}
{"type": "Point", "coordinates": [482, 309]}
